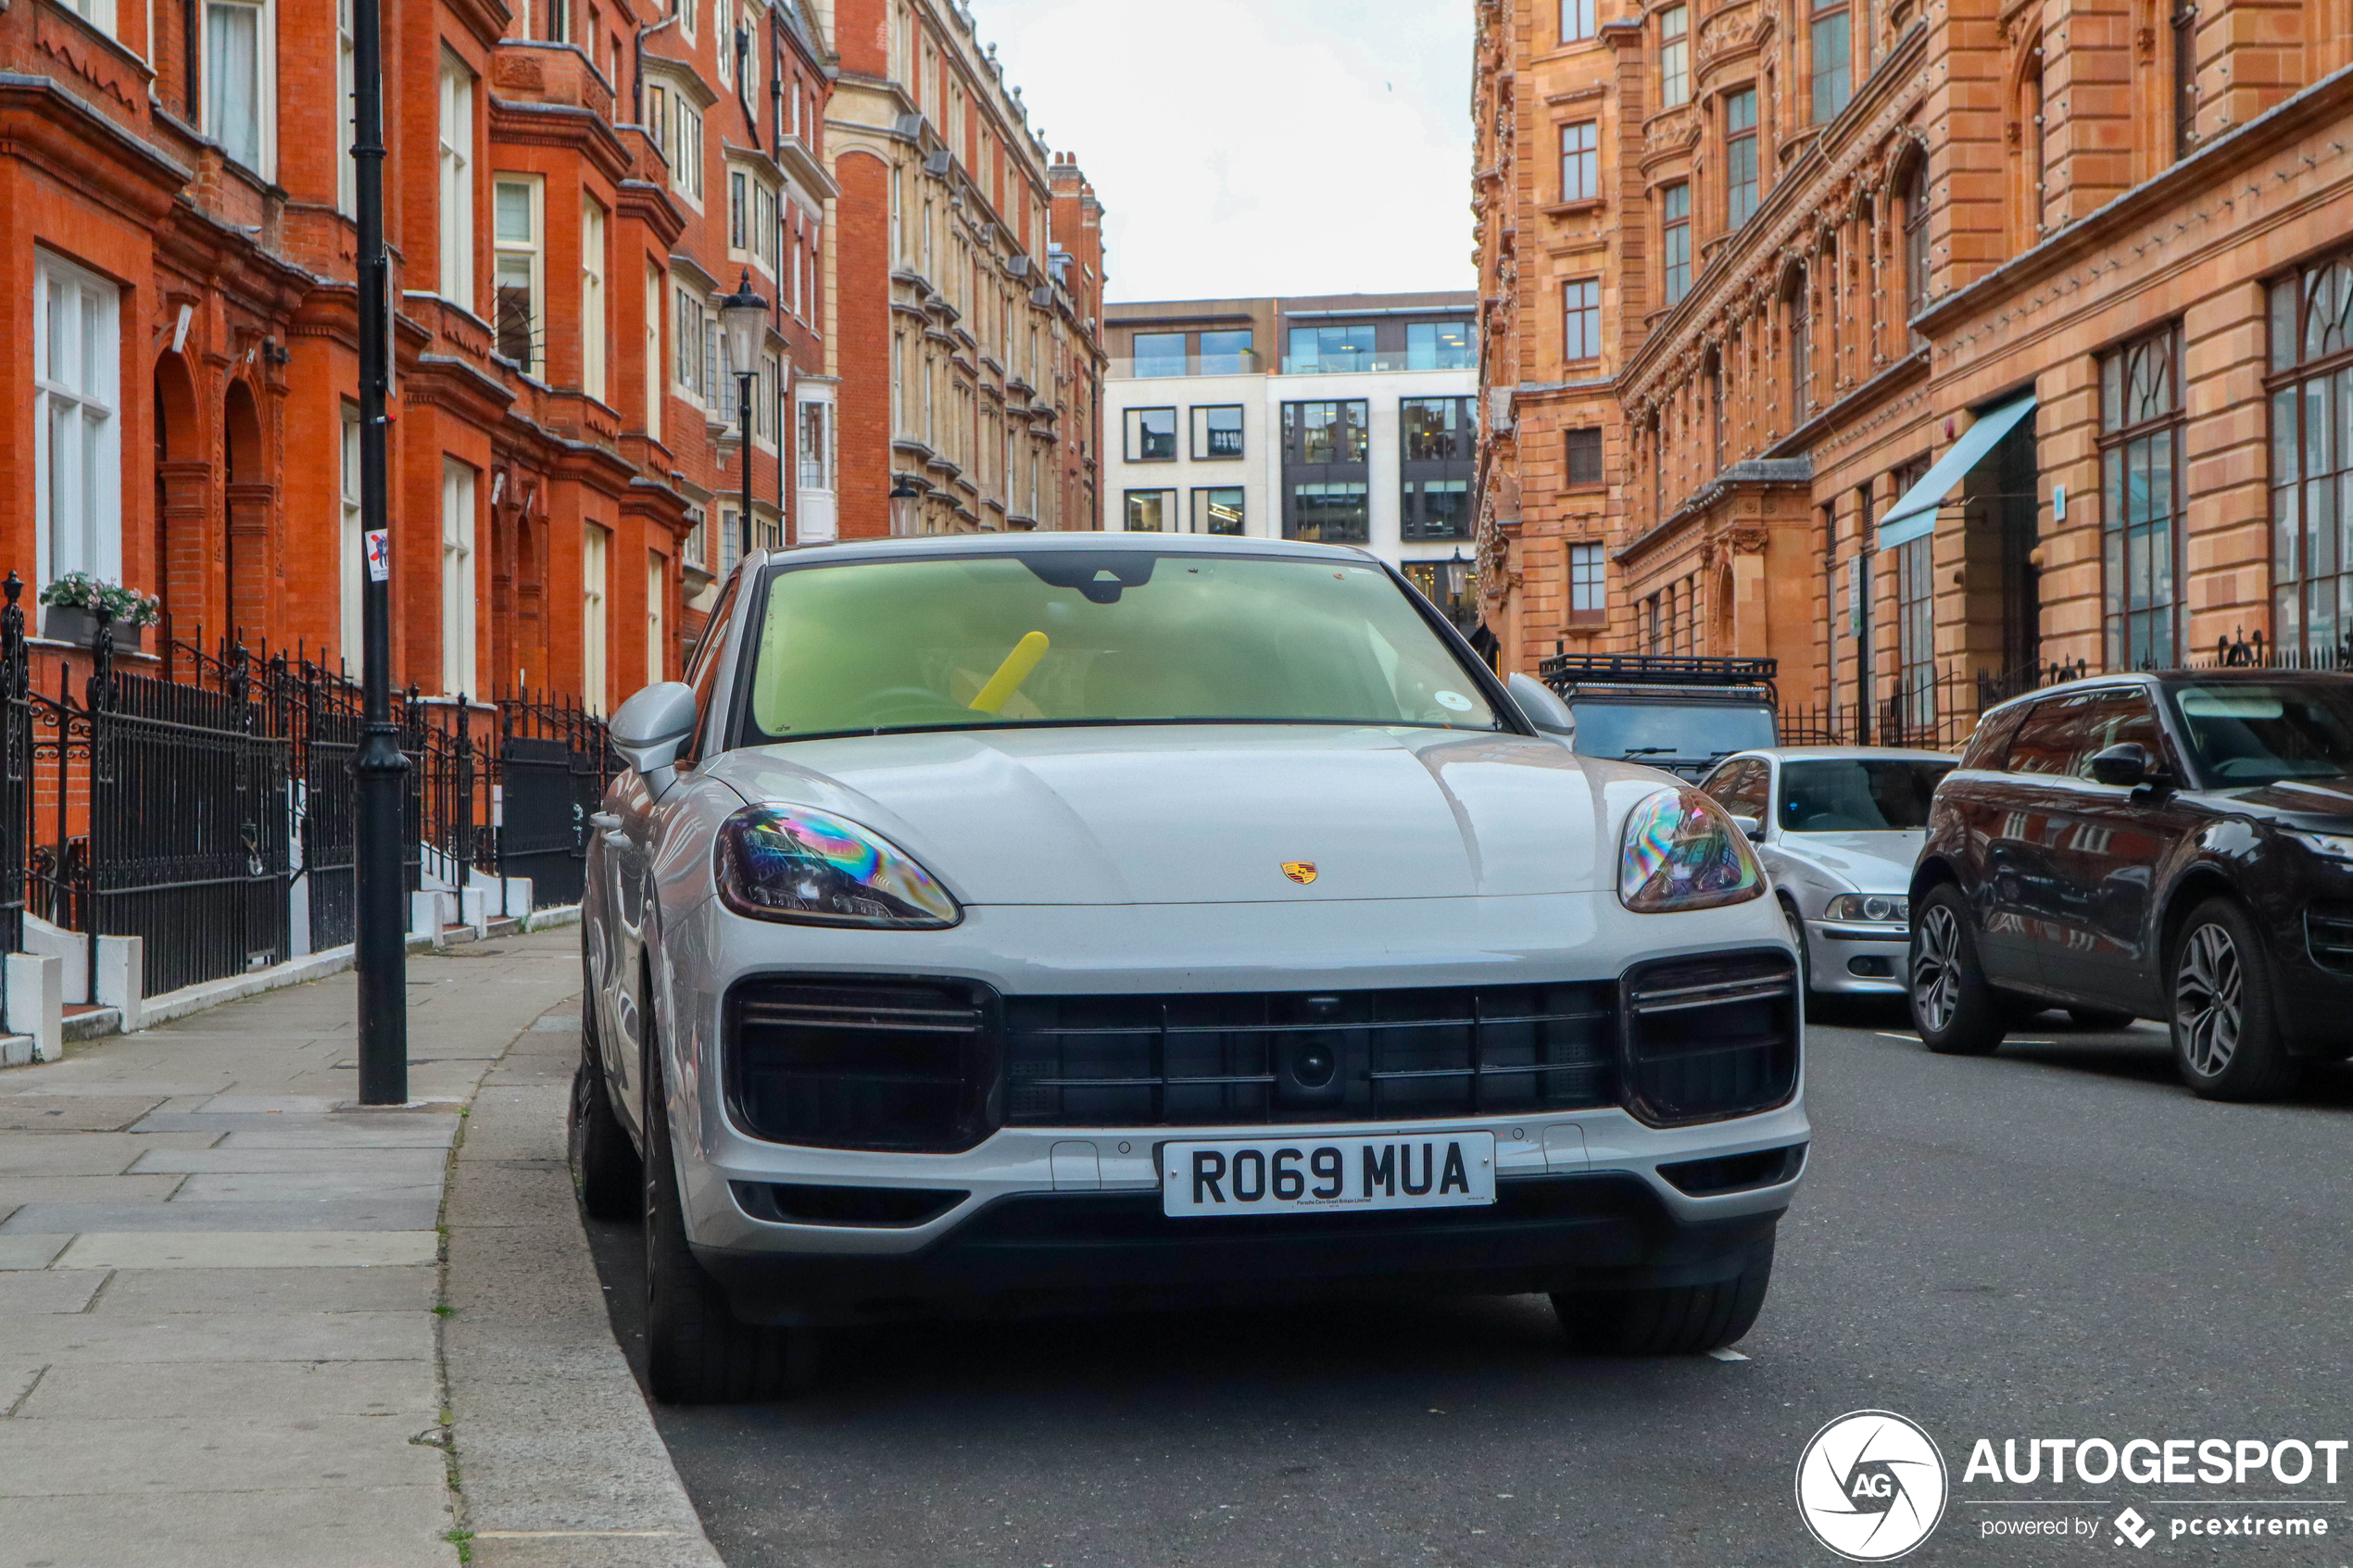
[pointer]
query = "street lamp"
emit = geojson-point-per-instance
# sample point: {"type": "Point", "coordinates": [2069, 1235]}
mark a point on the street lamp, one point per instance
{"type": "Point", "coordinates": [1458, 571]}
{"type": "Point", "coordinates": [743, 317]}
{"type": "Point", "coordinates": [905, 500]}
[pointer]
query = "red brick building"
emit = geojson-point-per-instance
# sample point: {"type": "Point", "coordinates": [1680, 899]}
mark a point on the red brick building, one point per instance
{"type": "Point", "coordinates": [1933, 340]}
{"type": "Point", "coordinates": [570, 184]}
{"type": "Point", "coordinates": [967, 271]}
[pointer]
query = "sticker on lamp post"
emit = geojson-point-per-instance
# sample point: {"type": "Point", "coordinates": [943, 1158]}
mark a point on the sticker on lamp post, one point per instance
{"type": "Point", "coordinates": [379, 555]}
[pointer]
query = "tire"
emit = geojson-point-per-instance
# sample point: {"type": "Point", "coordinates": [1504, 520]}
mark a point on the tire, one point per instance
{"type": "Point", "coordinates": [2099, 1018]}
{"type": "Point", "coordinates": [1677, 1319]}
{"type": "Point", "coordinates": [605, 1170]}
{"type": "Point", "coordinates": [1956, 1011]}
{"type": "Point", "coordinates": [698, 1352]}
{"type": "Point", "coordinates": [1805, 957]}
{"type": "Point", "coordinates": [2226, 1032]}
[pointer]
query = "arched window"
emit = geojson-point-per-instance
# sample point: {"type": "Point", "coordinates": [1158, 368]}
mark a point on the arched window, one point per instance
{"type": "Point", "coordinates": [1801, 332]}
{"type": "Point", "coordinates": [1915, 188]}
{"type": "Point", "coordinates": [1718, 453]}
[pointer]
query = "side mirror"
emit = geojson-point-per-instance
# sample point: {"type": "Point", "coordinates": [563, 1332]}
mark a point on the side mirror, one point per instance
{"type": "Point", "coordinates": [1541, 706]}
{"type": "Point", "coordinates": [2126, 763]}
{"type": "Point", "coordinates": [1752, 827]}
{"type": "Point", "coordinates": [651, 727]}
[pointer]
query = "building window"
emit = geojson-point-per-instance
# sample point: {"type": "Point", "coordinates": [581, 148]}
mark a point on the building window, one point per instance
{"type": "Point", "coordinates": [1152, 435]}
{"type": "Point", "coordinates": [688, 17]}
{"type": "Point", "coordinates": [78, 455]}
{"type": "Point", "coordinates": [97, 13]}
{"type": "Point", "coordinates": [1915, 635]}
{"type": "Point", "coordinates": [1675, 239]}
{"type": "Point", "coordinates": [1674, 56]}
{"type": "Point", "coordinates": [2312, 457]}
{"type": "Point", "coordinates": [347, 93]}
{"type": "Point", "coordinates": [738, 212]}
{"type": "Point", "coordinates": [1582, 318]}
{"type": "Point", "coordinates": [1324, 433]}
{"type": "Point", "coordinates": [1218, 510]}
{"type": "Point", "coordinates": [457, 182]}
{"type": "Point", "coordinates": [1323, 350]}
{"type": "Point", "coordinates": [1159, 354]}
{"type": "Point", "coordinates": [1588, 601]}
{"type": "Point", "coordinates": [1225, 353]}
{"type": "Point", "coordinates": [1739, 156]}
{"type": "Point", "coordinates": [690, 335]}
{"type": "Point", "coordinates": [458, 588]}
{"type": "Point", "coordinates": [237, 97]}
{"type": "Point", "coordinates": [1437, 430]}
{"type": "Point", "coordinates": [592, 298]}
{"type": "Point", "coordinates": [652, 364]}
{"type": "Point", "coordinates": [657, 617]}
{"type": "Point", "coordinates": [593, 544]}
{"type": "Point", "coordinates": [1828, 41]}
{"type": "Point", "coordinates": [2141, 465]}
{"type": "Point", "coordinates": [816, 447]}
{"type": "Point", "coordinates": [2185, 78]}
{"type": "Point", "coordinates": [1439, 346]}
{"type": "Point", "coordinates": [1577, 21]}
{"type": "Point", "coordinates": [517, 306]}
{"type": "Point", "coordinates": [351, 541]}
{"type": "Point", "coordinates": [1436, 508]}
{"type": "Point", "coordinates": [1328, 512]}
{"type": "Point", "coordinates": [685, 151]}
{"type": "Point", "coordinates": [1217, 433]}
{"type": "Point", "coordinates": [1797, 297]}
{"type": "Point", "coordinates": [1584, 457]}
{"type": "Point", "coordinates": [1580, 173]}
{"type": "Point", "coordinates": [1916, 238]}
{"type": "Point", "coordinates": [1151, 512]}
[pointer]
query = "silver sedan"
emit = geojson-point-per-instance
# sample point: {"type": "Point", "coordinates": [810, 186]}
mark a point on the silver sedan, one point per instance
{"type": "Point", "coordinates": [1838, 827]}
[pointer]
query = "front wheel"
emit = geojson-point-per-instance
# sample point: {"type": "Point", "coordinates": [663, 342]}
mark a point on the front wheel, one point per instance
{"type": "Point", "coordinates": [1954, 1008]}
{"type": "Point", "coordinates": [2226, 1033]}
{"type": "Point", "coordinates": [605, 1170]}
{"type": "Point", "coordinates": [1677, 1319]}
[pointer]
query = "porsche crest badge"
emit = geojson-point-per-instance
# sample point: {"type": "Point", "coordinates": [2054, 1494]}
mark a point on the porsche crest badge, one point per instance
{"type": "Point", "coordinates": [1300, 871]}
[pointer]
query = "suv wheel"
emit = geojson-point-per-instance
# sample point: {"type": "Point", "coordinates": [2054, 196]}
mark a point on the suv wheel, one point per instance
{"type": "Point", "coordinates": [1955, 1009]}
{"type": "Point", "coordinates": [605, 1170]}
{"type": "Point", "coordinates": [2226, 1036]}
{"type": "Point", "coordinates": [1805, 955]}
{"type": "Point", "coordinates": [698, 1351]}
{"type": "Point", "coordinates": [1680, 1319]}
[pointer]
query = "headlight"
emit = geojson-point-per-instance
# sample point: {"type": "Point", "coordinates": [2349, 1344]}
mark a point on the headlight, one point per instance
{"type": "Point", "coordinates": [785, 862]}
{"type": "Point", "coordinates": [2332, 845]}
{"type": "Point", "coordinates": [1871, 905]}
{"type": "Point", "coordinates": [1682, 853]}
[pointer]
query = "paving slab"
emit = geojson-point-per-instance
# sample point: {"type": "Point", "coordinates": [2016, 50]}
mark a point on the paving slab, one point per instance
{"type": "Point", "coordinates": [271, 1186]}
{"type": "Point", "coordinates": [337, 1527]}
{"type": "Point", "coordinates": [139, 1452]}
{"type": "Point", "coordinates": [415, 1164]}
{"type": "Point", "coordinates": [255, 1390]}
{"type": "Point", "coordinates": [75, 1113]}
{"type": "Point", "coordinates": [205, 1336]}
{"type": "Point", "coordinates": [93, 1154]}
{"type": "Point", "coordinates": [15, 1191]}
{"type": "Point", "coordinates": [376, 1288]}
{"type": "Point", "coordinates": [291, 1247]}
{"type": "Point", "coordinates": [334, 1136]}
{"type": "Point", "coordinates": [357, 1126]}
{"type": "Point", "coordinates": [46, 1290]}
{"type": "Point", "coordinates": [30, 1251]}
{"type": "Point", "coordinates": [321, 1215]}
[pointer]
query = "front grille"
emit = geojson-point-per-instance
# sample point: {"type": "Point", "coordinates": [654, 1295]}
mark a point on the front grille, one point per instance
{"type": "Point", "coordinates": [1710, 1037]}
{"type": "Point", "coordinates": [856, 1063]}
{"type": "Point", "coordinates": [885, 1207]}
{"type": "Point", "coordinates": [2328, 935]}
{"type": "Point", "coordinates": [1283, 1057]}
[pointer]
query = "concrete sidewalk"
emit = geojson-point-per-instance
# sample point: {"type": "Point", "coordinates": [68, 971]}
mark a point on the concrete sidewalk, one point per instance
{"type": "Point", "coordinates": [219, 1296]}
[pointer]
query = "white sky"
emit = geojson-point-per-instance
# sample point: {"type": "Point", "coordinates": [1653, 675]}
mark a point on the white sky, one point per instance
{"type": "Point", "coordinates": [1247, 148]}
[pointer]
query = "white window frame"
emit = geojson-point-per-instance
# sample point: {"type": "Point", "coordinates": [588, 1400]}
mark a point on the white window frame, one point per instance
{"type": "Point", "coordinates": [77, 380]}
{"type": "Point", "coordinates": [457, 198]}
{"type": "Point", "coordinates": [596, 549]}
{"type": "Point", "coordinates": [686, 152]}
{"type": "Point", "coordinates": [657, 615]}
{"type": "Point", "coordinates": [765, 387]}
{"type": "Point", "coordinates": [352, 568]}
{"type": "Point", "coordinates": [346, 88]}
{"type": "Point", "coordinates": [264, 160]}
{"type": "Point", "coordinates": [529, 253]}
{"type": "Point", "coordinates": [657, 282]}
{"type": "Point", "coordinates": [814, 472]}
{"type": "Point", "coordinates": [99, 14]}
{"type": "Point", "coordinates": [594, 307]}
{"type": "Point", "coordinates": [458, 488]}
{"type": "Point", "coordinates": [689, 17]}
{"type": "Point", "coordinates": [691, 325]}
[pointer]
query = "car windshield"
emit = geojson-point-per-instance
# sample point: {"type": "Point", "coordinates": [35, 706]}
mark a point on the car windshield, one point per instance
{"type": "Point", "coordinates": [1686, 731]}
{"type": "Point", "coordinates": [2261, 733]}
{"type": "Point", "coordinates": [1099, 636]}
{"type": "Point", "coordinates": [1857, 794]}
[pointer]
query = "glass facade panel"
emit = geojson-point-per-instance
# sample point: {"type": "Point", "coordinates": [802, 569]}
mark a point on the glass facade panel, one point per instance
{"type": "Point", "coordinates": [1439, 346]}
{"type": "Point", "coordinates": [1152, 435]}
{"type": "Point", "coordinates": [2141, 413]}
{"type": "Point", "coordinates": [1324, 350]}
{"type": "Point", "coordinates": [1225, 354]}
{"type": "Point", "coordinates": [1217, 433]}
{"type": "Point", "coordinates": [1675, 234]}
{"type": "Point", "coordinates": [1159, 354]}
{"type": "Point", "coordinates": [1151, 512]}
{"type": "Point", "coordinates": [1739, 156]}
{"type": "Point", "coordinates": [1329, 513]}
{"type": "Point", "coordinates": [1833, 82]}
{"type": "Point", "coordinates": [1218, 510]}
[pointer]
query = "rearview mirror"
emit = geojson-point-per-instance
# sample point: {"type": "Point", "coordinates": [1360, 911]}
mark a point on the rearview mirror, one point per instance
{"type": "Point", "coordinates": [2126, 763]}
{"type": "Point", "coordinates": [1752, 827]}
{"type": "Point", "coordinates": [651, 727]}
{"type": "Point", "coordinates": [1541, 706]}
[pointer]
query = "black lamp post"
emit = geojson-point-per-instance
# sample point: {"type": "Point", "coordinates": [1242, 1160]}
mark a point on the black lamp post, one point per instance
{"type": "Point", "coordinates": [743, 317]}
{"type": "Point", "coordinates": [382, 954]}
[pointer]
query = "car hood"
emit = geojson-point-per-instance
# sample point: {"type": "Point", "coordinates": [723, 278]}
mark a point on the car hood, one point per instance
{"type": "Point", "coordinates": [1874, 862]}
{"type": "Point", "coordinates": [1213, 813]}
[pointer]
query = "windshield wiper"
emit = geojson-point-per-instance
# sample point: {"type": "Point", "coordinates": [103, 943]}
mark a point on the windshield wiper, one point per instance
{"type": "Point", "coordinates": [1651, 751]}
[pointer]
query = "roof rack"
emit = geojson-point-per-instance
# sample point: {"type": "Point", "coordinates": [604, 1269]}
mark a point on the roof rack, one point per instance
{"type": "Point", "coordinates": [1563, 671]}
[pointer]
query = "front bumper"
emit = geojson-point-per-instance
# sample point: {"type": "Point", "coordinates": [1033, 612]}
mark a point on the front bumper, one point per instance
{"type": "Point", "coordinates": [1857, 958]}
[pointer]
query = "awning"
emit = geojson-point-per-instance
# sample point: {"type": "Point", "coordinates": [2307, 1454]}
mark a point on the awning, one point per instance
{"type": "Point", "coordinates": [1915, 513]}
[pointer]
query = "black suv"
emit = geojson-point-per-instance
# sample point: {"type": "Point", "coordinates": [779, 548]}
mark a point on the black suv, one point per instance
{"type": "Point", "coordinates": [2176, 847]}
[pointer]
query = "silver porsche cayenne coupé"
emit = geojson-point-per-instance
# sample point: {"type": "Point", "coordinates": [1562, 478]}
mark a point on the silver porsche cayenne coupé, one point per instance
{"type": "Point", "coordinates": [1082, 922]}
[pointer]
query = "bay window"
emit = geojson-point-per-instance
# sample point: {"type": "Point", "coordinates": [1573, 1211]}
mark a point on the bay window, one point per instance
{"type": "Point", "coordinates": [1674, 56]}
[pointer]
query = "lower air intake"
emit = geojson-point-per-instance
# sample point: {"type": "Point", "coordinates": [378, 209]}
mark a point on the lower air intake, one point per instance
{"type": "Point", "coordinates": [850, 1063]}
{"type": "Point", "coordinates": [1709, 1037]}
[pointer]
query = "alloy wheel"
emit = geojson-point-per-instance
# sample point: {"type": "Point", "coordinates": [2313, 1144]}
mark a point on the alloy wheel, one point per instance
{"type": "Point", "coordinates": [2208, 1005]}
{"type": "Point", "coordinates": [1936, 968]}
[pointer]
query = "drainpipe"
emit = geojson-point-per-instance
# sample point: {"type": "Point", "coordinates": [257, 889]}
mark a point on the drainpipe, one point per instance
{"type": "Point", "coordinates": [638, 86]}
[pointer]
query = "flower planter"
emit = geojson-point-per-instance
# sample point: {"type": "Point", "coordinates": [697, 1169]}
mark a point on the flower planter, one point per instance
{"type": "Point", "coordinates": [65, 623]}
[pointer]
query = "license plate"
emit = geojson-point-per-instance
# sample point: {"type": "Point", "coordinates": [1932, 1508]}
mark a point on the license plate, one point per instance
{"type": "Point", "coordinates": [1292, 1175]}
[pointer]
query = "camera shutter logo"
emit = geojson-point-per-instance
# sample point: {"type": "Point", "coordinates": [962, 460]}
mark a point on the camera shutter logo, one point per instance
{"type": "Point", "coordinates": [1871, 1485]}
